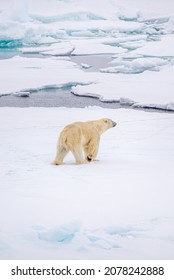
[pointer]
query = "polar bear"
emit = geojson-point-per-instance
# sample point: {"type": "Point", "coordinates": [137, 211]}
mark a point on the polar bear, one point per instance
{"type": "Point", "coordinates": [82, 139]}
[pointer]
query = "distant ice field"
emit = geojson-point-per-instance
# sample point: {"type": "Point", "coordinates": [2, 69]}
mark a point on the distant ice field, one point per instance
{"type": "Point", "coordinates": [45, 45]}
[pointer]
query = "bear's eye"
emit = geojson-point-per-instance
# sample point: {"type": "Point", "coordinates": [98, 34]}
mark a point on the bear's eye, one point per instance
{"type": "Point", "coordinates": [106, 121]}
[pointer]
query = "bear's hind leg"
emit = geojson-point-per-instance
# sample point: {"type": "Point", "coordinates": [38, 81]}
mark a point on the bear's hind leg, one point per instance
{"type": "Point", "coordinates": [78, 154]}
{"type": "Point", "coordinates": [61, 153]}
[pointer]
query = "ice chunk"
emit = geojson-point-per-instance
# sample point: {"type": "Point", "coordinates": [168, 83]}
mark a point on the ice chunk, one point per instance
{"type": "Point", "coordinates": [170, 106]}
{"type": "Point", "coordinates": [22, 94]}
{"type": "Point", "coordinates": [137, 65]}
{"type": "Point", "coordinates": [126, 101]}
{"type": "Point", "coordinates": [85, 66]}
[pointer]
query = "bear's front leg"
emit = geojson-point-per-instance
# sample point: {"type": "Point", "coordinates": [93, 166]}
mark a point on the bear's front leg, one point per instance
{"type": "Point", "coordinates": [91, 150]}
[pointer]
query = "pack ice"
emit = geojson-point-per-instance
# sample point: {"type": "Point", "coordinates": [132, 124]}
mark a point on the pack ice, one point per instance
{"type": "Point", "coordinates": [139, 39]}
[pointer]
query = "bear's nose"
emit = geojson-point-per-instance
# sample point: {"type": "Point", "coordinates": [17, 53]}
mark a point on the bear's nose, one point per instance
{"type": "Point", "coordinates": [114, 124]}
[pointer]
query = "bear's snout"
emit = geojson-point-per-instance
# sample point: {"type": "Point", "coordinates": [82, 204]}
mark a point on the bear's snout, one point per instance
{"type": "Point", "coordinates": [114, 123]}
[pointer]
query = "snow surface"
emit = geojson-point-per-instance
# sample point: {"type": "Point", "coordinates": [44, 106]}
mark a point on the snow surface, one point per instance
{"type": "Point", "coordinates": [119, 207]}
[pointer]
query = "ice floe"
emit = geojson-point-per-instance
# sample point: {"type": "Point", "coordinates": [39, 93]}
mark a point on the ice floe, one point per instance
{"type": "Point", "coordinates": [154, 89]}
{"type": "Point", "coordinates": [85, 66]}
{"type": "Point", "coordinates": [29, 74]}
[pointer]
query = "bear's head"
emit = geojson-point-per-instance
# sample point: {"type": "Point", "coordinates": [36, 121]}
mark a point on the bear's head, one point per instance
{"type": "Point", "coordinates": [108, 123]}
{"type": "Point", "coordinates": [105, 124]}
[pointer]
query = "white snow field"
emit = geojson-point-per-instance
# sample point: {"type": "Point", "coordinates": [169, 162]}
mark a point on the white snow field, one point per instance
{"type": "Point", "coordinates": [139, 35]}
{"type": "Point", "coordinates": [119, 207]}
